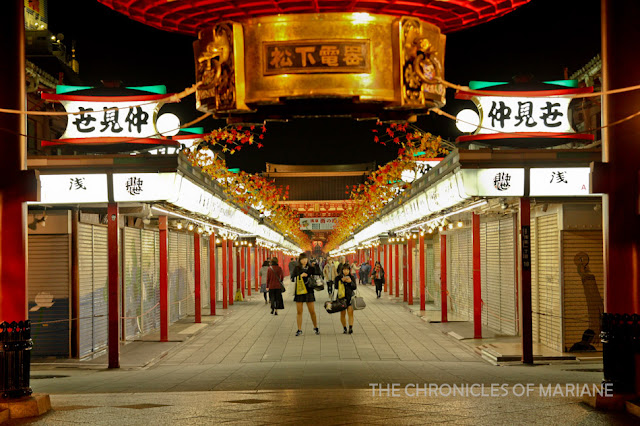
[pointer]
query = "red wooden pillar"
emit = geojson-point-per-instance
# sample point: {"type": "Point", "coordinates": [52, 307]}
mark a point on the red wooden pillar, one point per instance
{"type": "Point", "coordinates": [397, 262]}
{"type": "Point", "coordinates": [385, 266]}
{"type": "Point", "coordinates": [410, 246]}
{"type": "Point", "coordinates": [113, 286]}
{"type": "Point", "coordinates": [525, 280]}
{"type": "Point", "coordinates": [443, 278]}
{"type": "Point", "coordinates": [231, 275]}
{"type": "Point", "coordinates": [390, 270]}
{"type": "Point", "coordinates": [248, 249]}
{"type": "Point", "coordinates": [477, 277]}
{"type": "Point", "coordinates": [405, 270]}
{"type": "Point", "coordinates": [197, 264]}
{"type": "Point", "coordinates": [243, 269]}
{"type": "Point", "coordinates": [255, 268]}
{"type": "Point", "coordinates": [164, 278]}
{"type": "Point", "coordinates": [423, 281]}
{"type": "Point", "coordinates": [225, 279]}
{"type": "Point", "coordinates": [212, 274]}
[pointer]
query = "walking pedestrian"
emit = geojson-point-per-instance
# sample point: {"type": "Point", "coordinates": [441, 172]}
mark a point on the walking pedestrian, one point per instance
{"type": "Point", "coordinates": [263, 279]}
{"type": "Point", "coordinates": [378, 278]}
{"type": "Point", "coordinates": [274, 283]}
{"type": "Point", "coordinates": [329, 273]}
{"type": "Point", "coordinates": [354, 270]}
{"type": "Point", "coordinates": [365, 269]}
{"type": "Point", "coordinates": [303, 293]}
{"type": "Point", "coordinates": [292, 267]}
{"type": "Point", "coordinates": [346, 284]}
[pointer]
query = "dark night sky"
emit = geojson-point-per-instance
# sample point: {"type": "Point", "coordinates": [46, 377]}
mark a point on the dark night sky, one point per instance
{"type": "Point", "coordinates": [540, 38]}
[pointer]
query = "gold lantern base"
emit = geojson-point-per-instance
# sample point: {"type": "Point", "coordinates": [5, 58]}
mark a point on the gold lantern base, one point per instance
{"type": "Point", "coordinates": [327, 64]}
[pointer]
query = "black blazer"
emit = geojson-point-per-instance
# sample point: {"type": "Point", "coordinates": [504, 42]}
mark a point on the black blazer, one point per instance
{"type": "Point", "coordinates": [310, 270]}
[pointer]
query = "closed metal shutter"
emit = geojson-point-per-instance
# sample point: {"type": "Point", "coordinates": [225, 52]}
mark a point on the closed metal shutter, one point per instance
{"type": "Point", "coordinates": [174, 277]}
{"type": "Point", "coordinates": [497, 250]}
{"type": "Point", "coordinates": [508, 280]}
{"type": "Point", "coordinates": [132, 309]}
{"type": "Point", "coordinates": [219, 273]}
{"type": "Point", "coordinates": [458, 282]}
{"type": "Point", "coordinates": [49, 294]}
{"type": "Point", "coordinates": [204, 273]}
{"type": "Point", "coordinates": [93, 295]}
{"type": "Point", "coordinates": [546, 281]}
{"type": "Point", "coordinates": [150, 281]}
{"type": "Point", "coordinates": [431, 288]}
{"type": "Point", "coordinates": [583, 277]}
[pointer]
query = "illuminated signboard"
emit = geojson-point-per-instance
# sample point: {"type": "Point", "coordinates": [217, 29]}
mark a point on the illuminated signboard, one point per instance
{"type": "Point", "coordinates": [493, 182]}
{"type": "Point", "coordinates": [318, 223]}
{"type": "Point", "coordinates": [73, 188]}
{"type": "Point", "coordinates": [295, 57]}
{"type": "Point", "coordinates": [559, 181]}
{"type": "Point", "coordinates": [145, 186]}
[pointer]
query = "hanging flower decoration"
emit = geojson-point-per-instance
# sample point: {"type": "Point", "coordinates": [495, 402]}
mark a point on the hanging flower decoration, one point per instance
{"type": "Point", "coordinates": [389, 180]}
{"type": "Point", "coordinates": [252, 191]}
{"type": "Point", "coordinates": [232, 139]}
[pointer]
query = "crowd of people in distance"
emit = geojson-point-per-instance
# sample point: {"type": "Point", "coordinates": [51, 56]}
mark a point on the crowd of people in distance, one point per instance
{"type": "Point", "coordinates": [340, 278]}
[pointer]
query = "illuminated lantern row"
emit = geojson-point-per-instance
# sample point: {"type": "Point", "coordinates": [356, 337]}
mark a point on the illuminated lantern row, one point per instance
{"type": "Point", "coordinates": [259, 60]}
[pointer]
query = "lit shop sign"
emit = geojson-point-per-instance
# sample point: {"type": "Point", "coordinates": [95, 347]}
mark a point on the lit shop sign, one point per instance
{"type": "Point", "coordinates": [76, 188]}
{"type": "Point", "coordinates": [145, 186]}
{"type": "Point", "coordinates": [133, 119]}
{"type": "Point", "coordinates": [318, 223]}
{"type": "Point", "coordinates": [512, 115]}
{"type": "Point", "coordinates": [492, 182]}
{"type": "Point", "coordinates": [570, 181]}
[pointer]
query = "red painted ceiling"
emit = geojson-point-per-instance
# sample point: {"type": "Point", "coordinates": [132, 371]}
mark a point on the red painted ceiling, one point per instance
{"type": "Point", "coordinates": [190, 16]}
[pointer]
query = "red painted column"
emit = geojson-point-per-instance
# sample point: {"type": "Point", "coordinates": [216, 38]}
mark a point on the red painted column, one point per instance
{"type": "Point", "coordinates": [390, 270]}
{"type": "Point", "coordinates": [231, 275]}
{"type": "Point", "coordinates": [411, 244]}
{"type": "Point", "coordinates": [405, 270]}
{"type": "Point", "coordinates": [13, 190]}
{"type": "Point", "coordinates": [196, 261]}
{"type": "Point", "coordinates": [113, 285]}
{"type": "Point", "coordinates": [212, 274]}
{"type": "Point", "coordinates": [397, 261]}
{"type": "Point", "coordinates": [385, 266]}
{"type": "Point", "coordinates": [525, 282]}
{"type": "Point", "coordinates": [248, 250]}
{"type": "Point", "coordinates": [477, 277]}
{"type": "Point", "coordinates": [164, 278]}
{"type": "Point", "coordinates": [423, 280]}
{"type": "Point", "coordinates": [255, 269]}
{"type": "Point", "coordinates": [243, 269]}
{"type": "Point", "coordinates": [443, 279]}
{"type": "Point", "coordinates": [225, 282]}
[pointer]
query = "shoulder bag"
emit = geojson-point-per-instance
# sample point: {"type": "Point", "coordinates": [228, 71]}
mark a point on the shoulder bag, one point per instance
{"type": "Point", "coordinates": [357, 301]}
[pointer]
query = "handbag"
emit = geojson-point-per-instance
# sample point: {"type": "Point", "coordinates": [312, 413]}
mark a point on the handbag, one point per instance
{"type": "Point", "coordinates": [357, 302]}
{"type": "Point", "coordinates": [300, 287]}
{"type": "Point", "coordinates": [317, 283]}
{"type": "Point", "coordinates": [337, 305]}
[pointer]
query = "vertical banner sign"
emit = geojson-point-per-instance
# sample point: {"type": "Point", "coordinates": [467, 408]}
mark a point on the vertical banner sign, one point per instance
{"type": "Point", "coordinates": [526, 248]}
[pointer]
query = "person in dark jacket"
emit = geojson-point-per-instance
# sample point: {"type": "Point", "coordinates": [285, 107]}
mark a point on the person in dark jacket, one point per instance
{"type": "Point", "coordinates": [292, 267]}
{"type": "Point", "coordinates": [346, 282]}
{"type": "Point", "coordinates": [274, 284]}
{"type": "Point", "coordinates": [306, 272]}
{"type": "Point", "coordinates": [378, 278]}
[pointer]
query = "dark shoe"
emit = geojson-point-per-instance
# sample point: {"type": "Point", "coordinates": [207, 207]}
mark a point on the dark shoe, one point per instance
{"type": "Point", "coordinates": [317, 330]}
{"type": "Point", "coordinates": [350, 330]}
{"type": "Point", "coordinates": [271, 311]}
{"type": "Point", "coordinates": [276, 313]}
{"type": "Point", "coordinates": [299, 332]}
{"type": "Point", "coordinates": [345, 330]}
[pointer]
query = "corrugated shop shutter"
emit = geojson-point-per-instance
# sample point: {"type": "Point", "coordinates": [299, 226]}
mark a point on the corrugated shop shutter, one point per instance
{"type": "Point", "coordinates": [132, 309]}
{"type": "Point", "coordinates": [508, 283]}
{"type": "Point", "coordinates": [204, 273]}
{"type": "Point", "coordinates": [49, 294]}
{"type": "Point", "coordinates": [430, 272]}
{"type": "Point", "coordinates": [150, 281]}
{"type": "Point", "coordinates": [497, 241]}
{"type": "Point", "coordinates": [174, 277]}
{"type": "Point", "coordinates": [100, 286]}
{"type": "Point", "coordinates": [583, 270]}
{"type": "Point", "coordinates": [458, 246]}
{"type": "Point", "coordinates": [93, 277]}
{"type": "Point", "coordinates": [547, 281]}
